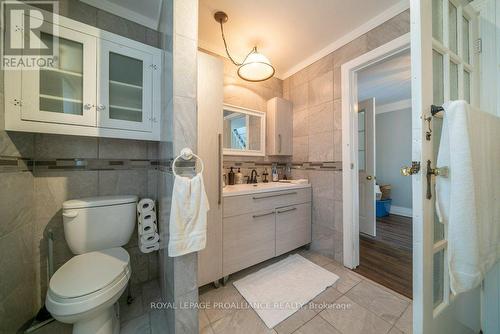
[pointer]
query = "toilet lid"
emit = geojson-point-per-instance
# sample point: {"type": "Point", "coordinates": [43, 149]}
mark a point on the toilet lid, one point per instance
{"type": "Point", "coordinates": [89, 272]}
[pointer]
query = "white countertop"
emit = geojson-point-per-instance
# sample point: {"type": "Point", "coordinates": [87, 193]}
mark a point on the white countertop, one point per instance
{"type": "Point", "coordinates": [246, 189]}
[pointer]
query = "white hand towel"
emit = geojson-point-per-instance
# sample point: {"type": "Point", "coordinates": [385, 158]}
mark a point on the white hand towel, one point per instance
{"type": "Point", "coordinates": [149, 248]}
{"type": "Point", "coordinates": [145, 205]}
{"type": "Point", "coordinates": [467, 201]}
{"type": "Point", "coordinates": [188, 216]}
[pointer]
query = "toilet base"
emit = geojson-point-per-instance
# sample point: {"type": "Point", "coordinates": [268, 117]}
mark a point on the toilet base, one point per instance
{"type": "Point", "coordinates": [105, 322]}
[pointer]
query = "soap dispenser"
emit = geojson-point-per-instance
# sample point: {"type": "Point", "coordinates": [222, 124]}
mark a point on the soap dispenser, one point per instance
{"type": "Point", "coordinates": [230, 175]}
{"type": "Point", "coordinates": [274, 173]}
{"type": "Point", "coordinates": [238, 178]}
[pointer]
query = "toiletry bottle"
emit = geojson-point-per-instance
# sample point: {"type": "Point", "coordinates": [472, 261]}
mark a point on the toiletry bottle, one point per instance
{"type": "Point", "coordinates": [238, 178]}
{"type": "Point", "coordinates": [231, 177]}
{"type": "Point", "coordinates": [274, 173]}
{"type": "Point", "coordinates": [264, 176]}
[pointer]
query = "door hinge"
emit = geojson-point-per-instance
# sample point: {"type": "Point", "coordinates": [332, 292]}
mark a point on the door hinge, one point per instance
{"type": "Point", "coordinates": [17, 103]}
{"type": "Point", "coordinates": [154, 66]}
{"type": "Point", "coordinates": [478, 45]}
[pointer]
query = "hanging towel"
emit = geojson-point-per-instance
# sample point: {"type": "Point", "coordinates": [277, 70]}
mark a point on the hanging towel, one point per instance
{"type": "Point", "coordinates": [468, 199]}
{"type": "Point", "coordinates": [188, 216]}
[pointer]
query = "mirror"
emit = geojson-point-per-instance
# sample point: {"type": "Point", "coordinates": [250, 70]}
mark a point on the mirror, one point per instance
{"type": "Point", "coordinates": [244, 131]}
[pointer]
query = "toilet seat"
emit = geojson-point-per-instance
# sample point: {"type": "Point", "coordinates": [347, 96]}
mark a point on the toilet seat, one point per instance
{"type": "Point", "coordinates": [88, 281]}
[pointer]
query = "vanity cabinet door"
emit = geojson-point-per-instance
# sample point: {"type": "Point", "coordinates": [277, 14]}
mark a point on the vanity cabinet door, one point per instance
{"type": "Point", "coordinates": [64, 93]}
{"type": "Point", "coordinates": [248, 239]}
{"type": "Point", "coordinates": [125, 88]}
{"type": "Point", "coordinates": [293, 227]}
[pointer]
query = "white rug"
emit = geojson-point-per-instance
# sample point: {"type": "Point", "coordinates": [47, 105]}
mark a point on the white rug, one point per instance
{"type": "Point", "coordinates": [278, 291]}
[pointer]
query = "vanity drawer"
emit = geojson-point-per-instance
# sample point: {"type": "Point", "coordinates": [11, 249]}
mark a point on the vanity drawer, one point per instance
{"type": "Point", "coordinates": [236, 205]}
{"type": "Point", "coordinates": [293, 227]}
{"type": "Point", "coordinates": [248, 239]}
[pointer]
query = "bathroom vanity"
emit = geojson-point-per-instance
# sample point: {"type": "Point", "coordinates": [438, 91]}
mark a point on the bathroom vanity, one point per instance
{"type": "Point", "coordinates": [264, 220]}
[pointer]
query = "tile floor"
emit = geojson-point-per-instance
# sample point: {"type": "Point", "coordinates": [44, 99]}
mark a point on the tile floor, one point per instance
{"type": "Point", "coordinates": [354, 305]}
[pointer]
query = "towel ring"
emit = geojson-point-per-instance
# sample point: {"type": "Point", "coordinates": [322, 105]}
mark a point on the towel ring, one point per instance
{"type": "Point", "coordinates": [187, 154]}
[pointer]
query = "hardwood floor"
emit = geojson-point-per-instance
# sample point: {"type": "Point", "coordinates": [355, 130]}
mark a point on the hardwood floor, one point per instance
{"type": "Point", "coordinates": [387, 258]}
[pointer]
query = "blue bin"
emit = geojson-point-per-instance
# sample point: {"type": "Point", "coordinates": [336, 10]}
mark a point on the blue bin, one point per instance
{"type": "Point", "coordinates": [383, 207]}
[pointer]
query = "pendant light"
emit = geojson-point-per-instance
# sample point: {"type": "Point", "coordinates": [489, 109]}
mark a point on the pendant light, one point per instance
{"type": "Point", "coordinates": [255, 67]}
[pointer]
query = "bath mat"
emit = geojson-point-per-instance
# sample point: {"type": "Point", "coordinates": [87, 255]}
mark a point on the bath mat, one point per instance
{"type": "Point", "coordinates": [279, 290]}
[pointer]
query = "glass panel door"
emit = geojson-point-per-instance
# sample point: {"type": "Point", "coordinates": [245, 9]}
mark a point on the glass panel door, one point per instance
{"type": "Point", "coordinates": [125, 93]}
{"type": "Point", "coordinates": [64, 93]}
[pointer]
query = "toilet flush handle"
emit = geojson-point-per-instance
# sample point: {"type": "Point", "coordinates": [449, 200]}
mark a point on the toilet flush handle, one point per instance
{"type": "Point", "coordinates": [70, 214]}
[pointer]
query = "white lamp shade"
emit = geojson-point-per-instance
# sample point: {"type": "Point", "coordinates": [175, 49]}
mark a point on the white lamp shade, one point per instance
{"type": "Point", "coordinates": [256, 67]}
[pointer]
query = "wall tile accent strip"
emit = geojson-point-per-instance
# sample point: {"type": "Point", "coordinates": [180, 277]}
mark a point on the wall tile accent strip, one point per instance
{"type": "Point", "coordinates": [15, 164]}
{"type": "Point", "coordinates": [321, 166]}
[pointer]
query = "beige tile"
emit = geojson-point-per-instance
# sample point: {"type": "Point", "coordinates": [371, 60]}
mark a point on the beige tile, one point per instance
{"type": "Point", "coordinates": [158, 321]}
{"type": "Point", "coordinates": [317, 326]}
{"type": "Point", "coordinates": [352, 318]}
{"type": "Point", "coordinates": [337, 83]}
{"type": "Point", "coordinates": [16, 201]}
{"type": "Point", "coordinates": [130, 311]}
{"type": "Point", "coordinates": [241, 322]}
{"type": "Point", "coordinates": [48, 146]}
{"type": "Point", "coordinates": [214, 298]}
{"type": "Point", "coordinates": [384, 304]}
{"type": "Point", "coordinates": [185, 69]}
{"type": "Point", "coordinates": [395, 330]}
{"type": "Point", "coordinates": [55, 327]}
{"type": "Point", "coordinates": [337, 114]}
{"type": "Point", "coordinates": [319, 67]}
{"type": "Point", "coordinates": [337, 145]}
{"type": "Point", "coordinates": [321, 89]}
{"type": "Point", "coordinates": [139, 325]}
{"type": "Point", "coordinates": [300, 123]}
{"type": "Point", "coordinates": [123, 182]}
{"type": "Point", "coordinates": [321, 147]}
{"type": "Point", "coordinates": [325, 299]}
{"type": "Point", "coordinates": [322, 240]}
{"type": "Point", "coordinates": [405, 322]}
{"type": "Point", "coordinates": [295, 321]}
{"type": "Point", "coordinates": [320, 118]}
{"type": "Point", "coordinates": [348, 279]}
{"type": "Point", "coordinates": [319, 259]}
{"type": "Point", "coordinates": [323, 211]}
{"type": "Point", "coordinates": [15, 144]}
{"type": "Point", "coordinates": [299, 96]}
{"type": "Point", "coordinates": [186, 18]}
{"type": "Point", "coordinates": [350, 51]}
{"type": "Point", "coordinates": [389, 30]}
{"type": "Point", "coordinates": [300, 149]}
{"type": "Point", "coordinates": [337, 186]}
{"type": "Point", "coordinates": [111, 148]}
{"type": "Point", "coordinates": [298, 78]}
{"type": "Point", "coordinates": [185, 124]}
{"type": "Point", "coordinates": [207, 330]}
{"type": "Point", "coordinates": [202, 319]}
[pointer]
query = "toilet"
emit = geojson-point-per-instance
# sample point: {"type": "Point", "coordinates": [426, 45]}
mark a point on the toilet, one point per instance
{"type": "Point", "coordinates": [85, 290]}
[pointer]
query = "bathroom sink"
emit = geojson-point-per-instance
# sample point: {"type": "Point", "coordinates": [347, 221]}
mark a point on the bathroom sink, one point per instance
{"type": "Point", "coordinates": [245, 189]}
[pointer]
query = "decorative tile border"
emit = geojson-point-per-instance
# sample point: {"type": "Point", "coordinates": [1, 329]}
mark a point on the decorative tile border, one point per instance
{"type": "Point", "coordinates": [15, 164]}
{"type": "Point", "coordinates": [319, 166]}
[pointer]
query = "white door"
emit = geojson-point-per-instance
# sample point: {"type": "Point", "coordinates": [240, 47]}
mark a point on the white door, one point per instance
{"type": "Point", "coordinates": [443, 69]}
{"type": "Point", "coordinates": [66, 92]}
{"type": "Point", "coordinates": [366, 166]}
{"type": "Point", "coordinates": [125, 88]}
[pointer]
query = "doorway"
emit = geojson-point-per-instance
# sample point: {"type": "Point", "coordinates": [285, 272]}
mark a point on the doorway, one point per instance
{"type": "Point", "coordinates": [377, 198]}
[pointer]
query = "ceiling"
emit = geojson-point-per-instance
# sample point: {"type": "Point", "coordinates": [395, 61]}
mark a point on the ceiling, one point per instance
{"type": "Point", "coordinates": [388, 81]}
{"type": "Point", "coordinates": [291, 33]}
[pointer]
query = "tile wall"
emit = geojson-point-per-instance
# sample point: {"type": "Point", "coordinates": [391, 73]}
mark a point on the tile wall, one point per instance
{"type": "Point", "coordinates": [31, 198]}
{"type": "Point", "coordinates": [317, 128]}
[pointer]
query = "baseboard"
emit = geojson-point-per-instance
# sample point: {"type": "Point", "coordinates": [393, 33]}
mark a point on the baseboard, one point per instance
{"type": "Point", "coordinates": [401, 211]}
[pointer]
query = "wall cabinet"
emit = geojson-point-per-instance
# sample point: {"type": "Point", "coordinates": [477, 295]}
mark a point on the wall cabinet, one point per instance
{"type": "Point", "coordinates": [279, 127]}
{"type": "Point", "coordinates": [101, 85]}
{"type": "Point", "coordinates": [258, 227]}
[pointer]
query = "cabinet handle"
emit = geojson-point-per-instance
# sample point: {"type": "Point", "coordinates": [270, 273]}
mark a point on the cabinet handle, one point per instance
{"type": "Point", "coordinates": [101, 107]}
{"type": "Point", "coordinates": [87, 106]}
{"type": "Point", "coordinates": [219, 166]}
{"type": "Point", "coordinates": [263, 215]}
{"type": "Point", "coordinates": [287, 210]}
{"type": "Point", "coordinates": [279, 138]}
{"type": "Point", "coordinates": [276, 195]}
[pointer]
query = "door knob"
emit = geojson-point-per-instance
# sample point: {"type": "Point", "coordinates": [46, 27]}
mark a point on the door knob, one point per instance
{"type": "Point", "coordinates": [409, 171]}
{"type": "Point", "coordinates": [101, 107]}
{"type": "Point", "coordinates": [369, 177]}
{"type": "Point", "coordinates": [87, 106]}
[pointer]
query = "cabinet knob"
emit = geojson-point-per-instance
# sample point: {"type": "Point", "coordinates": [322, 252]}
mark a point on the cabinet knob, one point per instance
{"type": "Point", "coordinates": [101, 107]}
{"type": "Point", "coordinates": [87, 106]}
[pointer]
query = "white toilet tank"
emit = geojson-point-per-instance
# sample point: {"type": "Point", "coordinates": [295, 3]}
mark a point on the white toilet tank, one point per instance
{"type": "Point", "coordinates": [97, 223]}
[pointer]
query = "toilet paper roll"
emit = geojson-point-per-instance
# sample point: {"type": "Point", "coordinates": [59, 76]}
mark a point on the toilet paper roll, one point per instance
{"type": "Point", "coordinates": [149, 248]}
{"type": "Point", "coordinates": [147, 227]}
{"type": "Point", "coordinates": [149, 239]}
{"type": "Point", "coordinates": [145, 205]}
{"type": "Point", "coordinates": [149, 216]}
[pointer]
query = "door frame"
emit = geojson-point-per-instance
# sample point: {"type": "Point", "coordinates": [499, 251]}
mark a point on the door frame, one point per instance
{"type": "Point", "coordinates": [350, 193]}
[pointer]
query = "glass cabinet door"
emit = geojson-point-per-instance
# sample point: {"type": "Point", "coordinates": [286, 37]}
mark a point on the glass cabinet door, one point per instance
{"type": "Point", "coordinates": [125, 88]}
{"type": "Point", "coordinates": [64, 93]}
